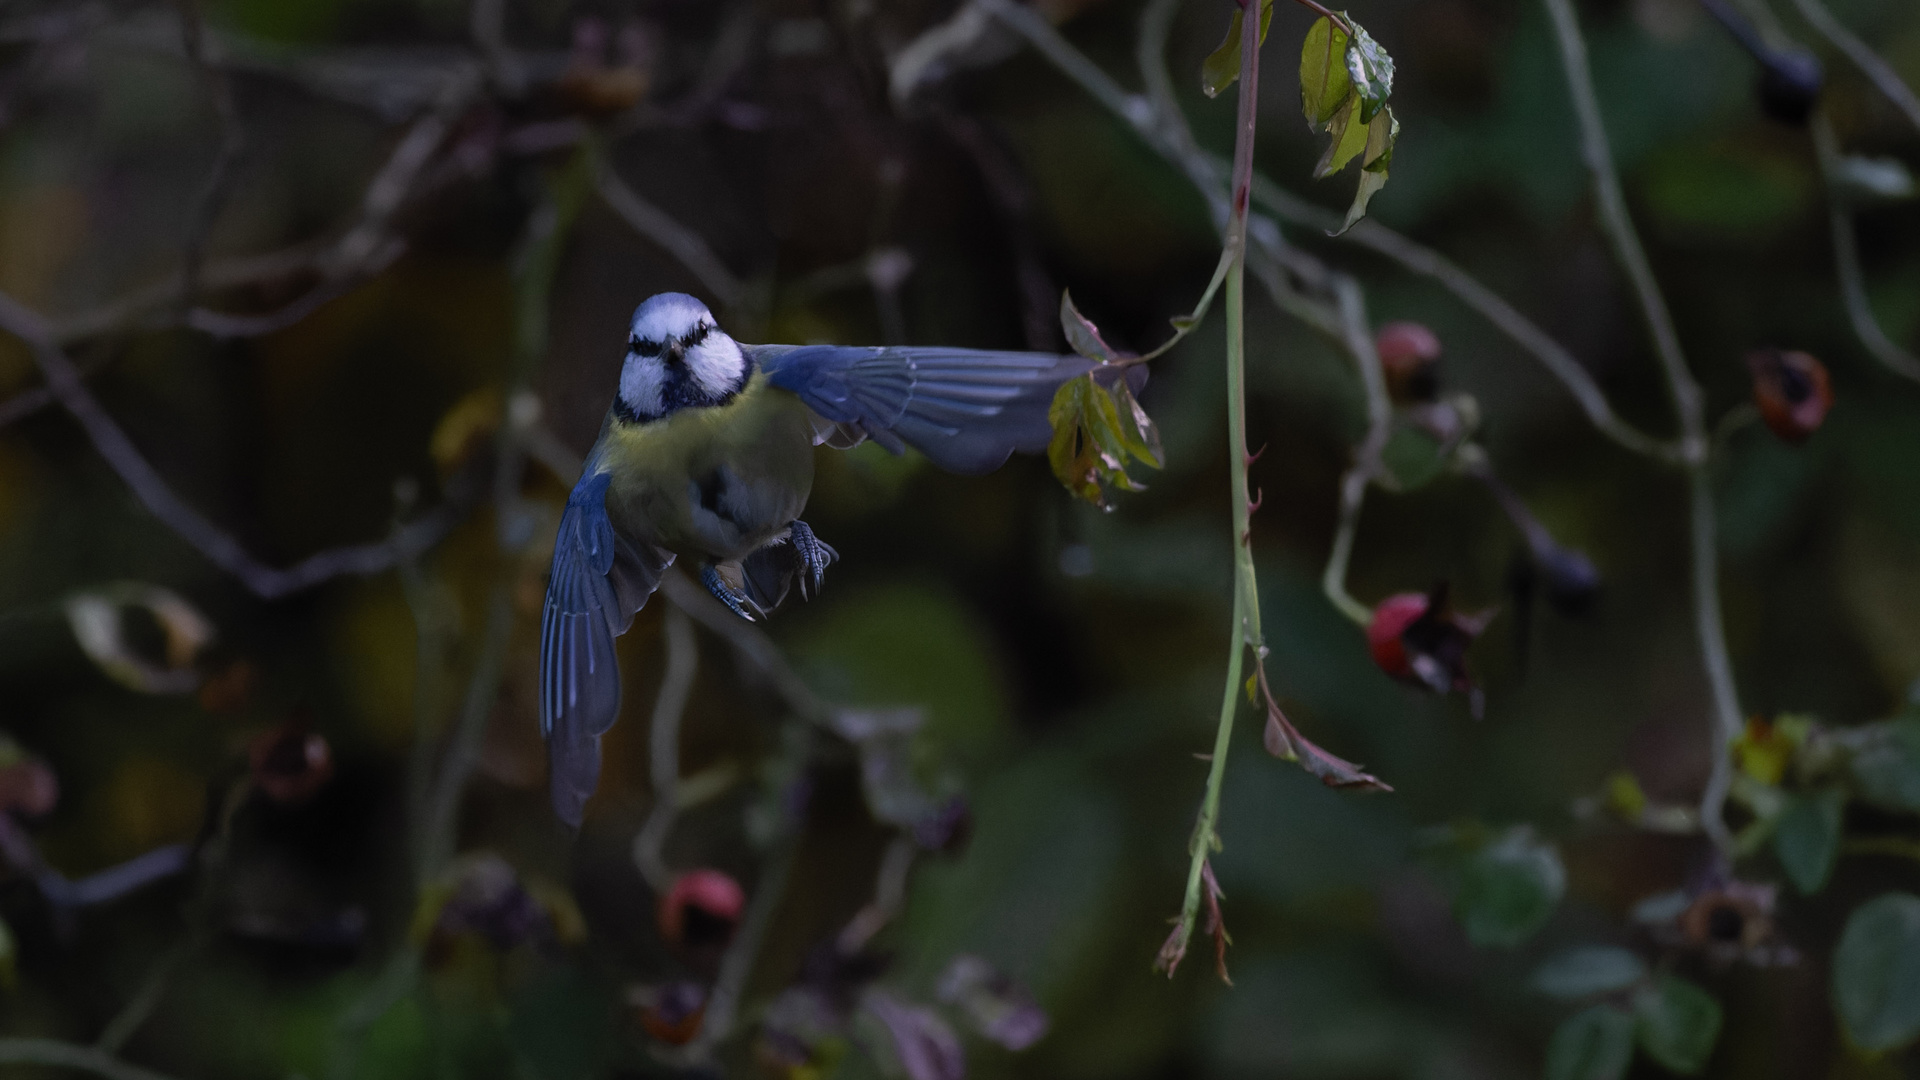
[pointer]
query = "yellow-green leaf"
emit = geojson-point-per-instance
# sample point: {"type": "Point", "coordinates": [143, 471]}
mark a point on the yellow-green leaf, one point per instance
{"type": "Point", "coordinates": [1138, 434]}
{"type": "Point", "coordinates": [1373, 171]}
{"type": "Point", "coordinates": [1222, 66]}
{"type": "Point", "coordinates": [1348, 136]}
{"type": "Point", "coordinates": [1325, 85]}
{"type": "Point", "coordinates": [1096, 431]}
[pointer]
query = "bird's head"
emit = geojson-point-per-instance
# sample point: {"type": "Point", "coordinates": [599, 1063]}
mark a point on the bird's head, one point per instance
{"type": "Point", "coordinates": [677, 357]}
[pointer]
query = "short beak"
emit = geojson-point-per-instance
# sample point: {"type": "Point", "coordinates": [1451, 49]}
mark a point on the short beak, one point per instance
{"type": "Point", "coordinates": [676, 353]}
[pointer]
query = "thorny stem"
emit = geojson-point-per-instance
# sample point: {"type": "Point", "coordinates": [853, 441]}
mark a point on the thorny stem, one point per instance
{"type": "Point", "coordinates": [1246, 593]}
{"type": "Point", "coordinates": [1846, 259]}
{"type": "Point", "coordinates": [1618, 225]}
{"type": "Point", "coordinates": [663, 750]}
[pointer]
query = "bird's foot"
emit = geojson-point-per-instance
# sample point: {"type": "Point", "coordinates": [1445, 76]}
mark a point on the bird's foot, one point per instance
{"type": "Point", "coordinates": [815, 556]}
{"type": "Point", "coordinates": [717, 585]}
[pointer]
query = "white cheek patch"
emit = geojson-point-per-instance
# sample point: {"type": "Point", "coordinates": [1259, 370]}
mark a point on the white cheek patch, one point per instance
{"type": "Point", "coordinates": [715, 365]}
{"type": "Point", "coordinates": [641, 382]}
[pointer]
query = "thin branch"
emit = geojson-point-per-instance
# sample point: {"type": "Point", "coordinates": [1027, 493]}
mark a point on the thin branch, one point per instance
{"type": "Point", "coordinates": [750, 642]}
{"type": "Point", "coordinates": [679, 241]}
{"type": "Point", "coordinates": [1366, 465]}
{"type": "Point", "coordinates": [889, 895]}
{"type": "Point", "coordinates": [226, 161]}
{"type": "Point", "coordinates": [1617, 225]}
{"type": "Point", "coordinates": [1424, 261]}
{"type": "Point", "coordinates": [663, 750]}
{"type": "Point", "coordinates": [1877, 71]}
{"type": "Point", "coordinates": [1686, 396]}
{"type": "Point", "coordinates": [64, 383]}
{"type": "Point", "coordinates": [1846, 259]}
{"type": "Point", "coordinates": [64, 1055]}
{"type": "Point", "coordinates": [431, 646]}
{"type": "Point", "coordinates": [140, 1006]}
{"type": "Point", "coordinates": [736, 965]}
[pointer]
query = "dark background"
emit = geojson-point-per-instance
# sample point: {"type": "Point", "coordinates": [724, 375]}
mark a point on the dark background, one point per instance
{"type": "Point", "coordinates": [1072, 705]}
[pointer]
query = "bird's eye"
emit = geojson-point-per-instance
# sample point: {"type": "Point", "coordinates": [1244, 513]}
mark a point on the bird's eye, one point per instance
{"type": "Point", "coordinates": [698, 335]}
{"type": "Point", "coordinates": [643, 347]}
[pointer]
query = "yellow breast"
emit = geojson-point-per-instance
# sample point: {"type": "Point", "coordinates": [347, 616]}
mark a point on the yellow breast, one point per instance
{"type": "Point", "coordinates": [711, 483]}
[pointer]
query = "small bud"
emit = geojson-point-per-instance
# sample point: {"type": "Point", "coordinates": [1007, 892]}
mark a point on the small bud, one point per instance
{"type": "Point", "coordinates": [701, 910]}
{"type": "Point", "coordinates": [290, 763]}
{"type": "Point", "coordinates": [671, 1013]}
{"type": "Point", "coordinates": [1792, 392]}
{"type": "Point", "coordinates": [1790, 85]}
{"type": "Point", "coordinates": [1408, 352]}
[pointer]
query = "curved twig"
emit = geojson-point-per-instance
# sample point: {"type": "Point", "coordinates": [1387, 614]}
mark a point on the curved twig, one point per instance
{"type": "Point", "coordinates": [1846, 260]}
{"type": "Point", "coordinates": [1617, 223]}
{"type": "Point", "coordinates": [65, 1055]}
{"type": "Point", "coordinates": [66, 386]}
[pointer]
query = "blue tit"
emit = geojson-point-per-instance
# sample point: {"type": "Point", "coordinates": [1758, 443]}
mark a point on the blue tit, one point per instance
{"type": "Point", "coordinates": [707, 453]}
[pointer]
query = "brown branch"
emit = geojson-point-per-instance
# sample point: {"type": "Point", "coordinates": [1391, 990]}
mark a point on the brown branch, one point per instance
{"type": "Point", "coordinates": [226, 160]}
{"type": "Point", "coordinates": [64, 383]}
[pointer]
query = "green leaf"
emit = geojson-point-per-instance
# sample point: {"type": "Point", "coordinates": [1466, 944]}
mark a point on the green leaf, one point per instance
{"type": "Point", "coordinates": [1325, 86]}
{"type": "Point", "coordinates": [1219, 70]}
{"type": "Point", "coordinates": [1586, 972]}
{"type": "Point", "coordinates": [1677, 1023]}
{"type": "Point", "coordinates": [1082, 335]}
{"type": "Point", "coordinates": [1807, 838]}
{"type": "Point", "coordinates": [1348, 136]}
{"type": "Point", "coordinates": [1373, 171]}
{"type": "Point", "coordinates": [1370, 69]}
{"type": "Point", "coordinates": [1412, 458]}
{"type": "Point", "coordinates": [1507, 889]}
{"type": "Point", "coordinates": [1876, 973]}
{"type": "Point", "coordinates": [1596, 1044]}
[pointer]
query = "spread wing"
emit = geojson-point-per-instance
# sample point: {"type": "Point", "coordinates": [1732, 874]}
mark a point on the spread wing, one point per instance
{"type": "Point", "coordinates": [597, 583]}
{"type": "Point", "coordinates": [966, 409]}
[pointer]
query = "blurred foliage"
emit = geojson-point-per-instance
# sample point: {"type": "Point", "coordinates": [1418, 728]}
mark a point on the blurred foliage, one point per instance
{"type": "Point", "coordinates": [1066, 661]}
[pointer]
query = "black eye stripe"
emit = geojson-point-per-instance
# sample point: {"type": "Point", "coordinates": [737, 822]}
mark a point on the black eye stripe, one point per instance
{"type": "Point", "coordinates": [699, 335]}
{"type": "Point", "coordinates": [643, 347]}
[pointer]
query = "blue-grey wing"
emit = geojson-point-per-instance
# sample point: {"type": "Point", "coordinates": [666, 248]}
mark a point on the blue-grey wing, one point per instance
{"type": "Point", "coordinates": [597, 583]}
{"type": "Point", "coordinates": [965, 409]}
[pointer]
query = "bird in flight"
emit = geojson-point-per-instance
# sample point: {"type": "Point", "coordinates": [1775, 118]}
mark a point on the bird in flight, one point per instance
{"type": "Point", "coordinates": [707, 453]}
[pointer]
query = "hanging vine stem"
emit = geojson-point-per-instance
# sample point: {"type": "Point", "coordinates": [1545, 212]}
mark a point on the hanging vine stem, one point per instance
{"type": "Point", "coordinates": [1688, 406]}
{"type": "Point", "coordinates": [1246, 594]}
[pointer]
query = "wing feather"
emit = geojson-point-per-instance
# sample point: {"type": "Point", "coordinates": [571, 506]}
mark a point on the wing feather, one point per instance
{"type": "Point", "coordinates": [966, 409]}
{"type": "Point", "coordinates": [598, 582]}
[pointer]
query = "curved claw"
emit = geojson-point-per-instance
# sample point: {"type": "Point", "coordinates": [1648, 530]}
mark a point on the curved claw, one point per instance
{"type": "Point", "coordinates": [710, 577]}
{"type": "Point", "coordinates": [815, 556]}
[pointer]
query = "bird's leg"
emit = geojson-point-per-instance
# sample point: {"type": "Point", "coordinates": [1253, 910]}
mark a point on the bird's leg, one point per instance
{"type": "Point", "coordinates": [717, 585]}
{"type": "Point", "coordinates": [815, 555]}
